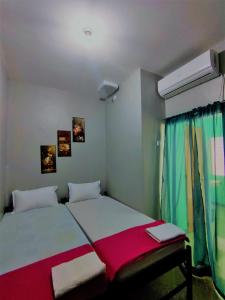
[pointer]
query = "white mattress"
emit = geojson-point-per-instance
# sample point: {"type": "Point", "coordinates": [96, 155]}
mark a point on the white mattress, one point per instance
{"type": "Point", "coordinates": [105, 216]}
{"type": "Point", "coordinates": [30, 236]}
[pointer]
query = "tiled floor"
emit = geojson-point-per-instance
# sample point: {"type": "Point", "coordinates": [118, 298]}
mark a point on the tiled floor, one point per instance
{"type": "Point", "coordinates": [202, 288]}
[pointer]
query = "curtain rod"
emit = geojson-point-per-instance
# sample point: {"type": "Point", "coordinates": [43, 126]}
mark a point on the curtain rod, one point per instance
{"type": "Point", "coordinates": [179, 115]}
{"type": "Point", "coordinates": [194, 110]}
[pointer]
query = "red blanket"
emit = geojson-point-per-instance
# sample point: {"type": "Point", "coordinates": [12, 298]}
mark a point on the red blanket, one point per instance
{"type": "Point", "coordinates": [33, 282]}
{"type": "Point", "coordinates": [122, 248]}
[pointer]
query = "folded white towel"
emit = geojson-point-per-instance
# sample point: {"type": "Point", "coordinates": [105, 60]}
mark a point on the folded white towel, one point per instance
{"type": "Point", "coordinates": [70, 275]}
{"type": "Point", "coordinates": [164, 232]}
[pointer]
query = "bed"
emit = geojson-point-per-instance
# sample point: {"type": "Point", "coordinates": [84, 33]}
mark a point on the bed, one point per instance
{"type": "Point", "coordinates": [33, 242]}
{"type": "Point", "coordinates": [111, 226]}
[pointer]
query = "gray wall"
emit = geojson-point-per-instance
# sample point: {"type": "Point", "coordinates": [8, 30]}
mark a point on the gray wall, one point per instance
{"type": "Point", "coordinates": [132, 127]}
{"type": "Point", "coordinates": [124, 148]}
{"type": "Point", "coordinates": [153, 111]}
{"type": "Point", "coordinates": [35, 113]}
{"type": "Point", "coordinates": [3, 110]}
{"type": "Point", "coordinates": [201, 95]}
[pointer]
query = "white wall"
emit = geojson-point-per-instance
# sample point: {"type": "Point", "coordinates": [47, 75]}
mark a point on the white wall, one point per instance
{"type": "Point", "coordinates": [133, 123]}
{"type": "Point", "coordinates": [201, 95]}
{"type": "Point", "coordinates": [3, 110]}
{"type": "Point", "coordinates": [35, 113]}
{"type": "Point", "coordinates": [124, 148]}
{"type": "Point", "coordinates": [153, 111]}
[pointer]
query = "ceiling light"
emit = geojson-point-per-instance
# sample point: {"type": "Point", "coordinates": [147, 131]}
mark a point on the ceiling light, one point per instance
{"type": "Point", "coordinates": [87, 32]}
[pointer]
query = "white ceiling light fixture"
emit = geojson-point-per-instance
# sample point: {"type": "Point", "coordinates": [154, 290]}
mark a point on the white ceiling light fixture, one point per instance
{"type": "Point", "coordinates": [87, 31]}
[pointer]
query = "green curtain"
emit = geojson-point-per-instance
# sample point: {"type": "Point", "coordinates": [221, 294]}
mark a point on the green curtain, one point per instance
{"type": "Point", "coordinates": [193, 183]}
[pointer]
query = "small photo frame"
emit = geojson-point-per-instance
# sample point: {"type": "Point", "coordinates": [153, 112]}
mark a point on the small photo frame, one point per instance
{"type": "Point", "coordinates": [78, 125]}
{"type": "Point", "coordinates": [64, 143]}
{"type": "Point", "coordinates": [48, 159]}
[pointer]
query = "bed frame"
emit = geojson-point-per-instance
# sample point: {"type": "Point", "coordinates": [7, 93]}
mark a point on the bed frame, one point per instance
{"type": "Point", "coordinates": [181, 259]}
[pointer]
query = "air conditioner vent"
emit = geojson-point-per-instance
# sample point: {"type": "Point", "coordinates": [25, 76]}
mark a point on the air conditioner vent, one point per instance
{"type": "Point", "coordinates": [197, 71]}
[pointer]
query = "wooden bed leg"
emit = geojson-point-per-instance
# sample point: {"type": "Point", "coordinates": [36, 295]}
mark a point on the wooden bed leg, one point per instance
{"type": "Point", "coordinates": [189, 272]}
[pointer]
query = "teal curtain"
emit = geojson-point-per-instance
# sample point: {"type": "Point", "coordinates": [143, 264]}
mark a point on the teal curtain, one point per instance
{"type": "Point", "coordinates": [193, 183]}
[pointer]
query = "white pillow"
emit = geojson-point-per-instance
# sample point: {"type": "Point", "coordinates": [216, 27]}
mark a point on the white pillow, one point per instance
{"type": "Point", "coordinates": [42, 197]}
{"type": "Point", "coordinates": [84, 191]}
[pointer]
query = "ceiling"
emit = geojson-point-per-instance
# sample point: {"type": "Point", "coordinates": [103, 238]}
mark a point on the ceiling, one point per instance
{"type": "Point", "coordinates": [44, 44]}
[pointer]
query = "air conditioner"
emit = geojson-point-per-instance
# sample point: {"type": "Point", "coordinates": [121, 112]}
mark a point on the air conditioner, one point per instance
{"type": "Point", "coordinates": [197, 71]}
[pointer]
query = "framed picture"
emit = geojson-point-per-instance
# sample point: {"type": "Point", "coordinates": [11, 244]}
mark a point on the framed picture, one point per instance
{"type": "Point", "coordinates": [64, 143]}
{"type": "Point", "coordinates": [78, 125]}
{"type": "Point", "coordinates": [48, 159]}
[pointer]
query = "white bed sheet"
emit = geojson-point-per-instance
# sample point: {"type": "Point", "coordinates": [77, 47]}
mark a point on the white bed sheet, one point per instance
{"type": "Point", "coordinates": [105, 216]}
{"type": "Point", "coordinates": [33, 235]}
